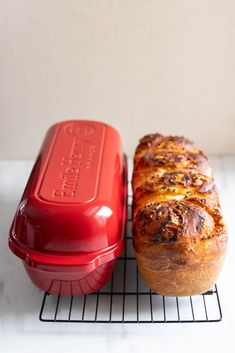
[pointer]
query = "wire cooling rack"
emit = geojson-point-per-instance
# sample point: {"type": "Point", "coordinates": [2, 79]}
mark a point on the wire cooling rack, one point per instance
{"type": "Point", "coordinates": [126, 299]}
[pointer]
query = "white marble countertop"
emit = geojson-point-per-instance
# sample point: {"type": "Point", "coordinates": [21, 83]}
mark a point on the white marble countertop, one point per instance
{"type": "Point", "coordinates": [20, 301]}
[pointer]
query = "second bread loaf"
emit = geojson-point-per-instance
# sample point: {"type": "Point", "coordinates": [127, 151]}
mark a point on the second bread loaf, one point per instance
{"type": "Point", "coordinates": [178, 231]}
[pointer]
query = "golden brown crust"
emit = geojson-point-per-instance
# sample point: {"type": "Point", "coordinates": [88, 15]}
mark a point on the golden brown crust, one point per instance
{"type": "Point", "coordinates": [153, 141]}
{"type": "Point", "coordinates": [178, 231]}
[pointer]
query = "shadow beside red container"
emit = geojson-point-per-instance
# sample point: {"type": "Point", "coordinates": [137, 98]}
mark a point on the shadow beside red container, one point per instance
{"type": "Point", "coordinates": [69, 226]}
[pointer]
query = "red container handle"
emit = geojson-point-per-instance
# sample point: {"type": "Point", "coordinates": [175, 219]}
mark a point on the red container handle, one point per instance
{"type": "Point", "coordinates": [89, 262]}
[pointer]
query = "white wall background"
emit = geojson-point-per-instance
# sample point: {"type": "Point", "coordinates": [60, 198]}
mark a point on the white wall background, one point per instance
{"type": "Point", "coordinates": [142, 66]}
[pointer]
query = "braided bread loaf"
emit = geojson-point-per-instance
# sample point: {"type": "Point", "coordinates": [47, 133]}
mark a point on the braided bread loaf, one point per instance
{"type": "Point", "coordinates": [178, 231]}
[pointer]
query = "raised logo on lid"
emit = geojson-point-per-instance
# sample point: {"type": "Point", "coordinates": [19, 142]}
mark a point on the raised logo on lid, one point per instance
{"type": "Point", "coordinates": [76, 129]}
{"type": "Point", "coordinates": [72, 172]}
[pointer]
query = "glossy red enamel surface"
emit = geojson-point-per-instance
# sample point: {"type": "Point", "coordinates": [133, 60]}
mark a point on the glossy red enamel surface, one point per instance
{"type": "Point", "coordinates": [71, 218]}
{"type": "Point", "coordinates": [75, 164]}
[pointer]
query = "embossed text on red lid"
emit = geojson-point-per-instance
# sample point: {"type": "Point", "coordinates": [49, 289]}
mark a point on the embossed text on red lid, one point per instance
{"type": "Point", "coordinates": [72, 172]}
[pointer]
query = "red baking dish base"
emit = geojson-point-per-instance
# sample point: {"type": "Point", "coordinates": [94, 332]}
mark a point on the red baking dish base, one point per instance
{"type": "Point", "coordinates": [76, 283]}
